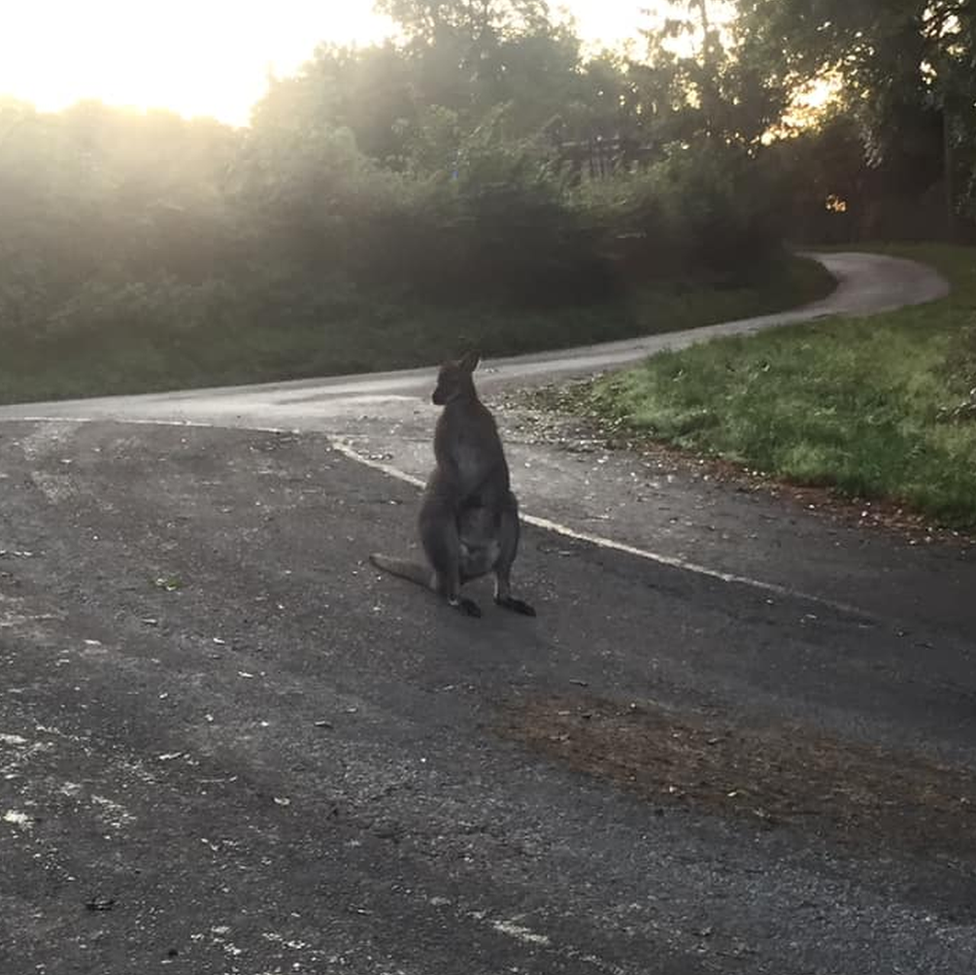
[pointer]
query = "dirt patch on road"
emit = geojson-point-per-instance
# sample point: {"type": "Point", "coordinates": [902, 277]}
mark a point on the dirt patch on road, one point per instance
{"type": "Point", "coordinates": [783, 776]}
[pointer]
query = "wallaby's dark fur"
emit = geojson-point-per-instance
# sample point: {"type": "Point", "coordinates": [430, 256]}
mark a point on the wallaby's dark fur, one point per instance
{"type": "Point", "coordinates": [469, 524]}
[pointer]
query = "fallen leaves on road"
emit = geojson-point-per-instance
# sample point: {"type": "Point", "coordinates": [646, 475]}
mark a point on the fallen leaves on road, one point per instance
{"type": "Point", "coordinates": [168, 583]}
{"type": "Point", "coordinates": [100, 903]}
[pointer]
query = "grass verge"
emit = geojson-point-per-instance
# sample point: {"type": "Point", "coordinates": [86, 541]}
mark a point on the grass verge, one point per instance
{"type": "Point", "coordinates": [145, 349]}
{"type": "Point", "coordinates": [876, 408]}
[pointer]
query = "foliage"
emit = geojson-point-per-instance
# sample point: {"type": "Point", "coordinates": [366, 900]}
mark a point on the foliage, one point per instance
{"type": "Point", "coordinates": [708, 78]}
{"type": "Point", "coordinates": [171, 336]}
{"type": "Point", "coordinates": [484, 159]}
{"type": "Point", "coordinates": [909, 74]}
{"type": "Point", "coordinates": [694, 215]}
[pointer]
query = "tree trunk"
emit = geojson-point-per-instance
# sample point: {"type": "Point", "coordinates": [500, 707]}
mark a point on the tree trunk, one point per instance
{"type": "Point", "coordinates": [950, 192]}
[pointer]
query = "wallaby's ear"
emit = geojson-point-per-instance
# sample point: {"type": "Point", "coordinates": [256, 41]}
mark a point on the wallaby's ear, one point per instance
{"type": "Point", "coordinates": [469, 361]}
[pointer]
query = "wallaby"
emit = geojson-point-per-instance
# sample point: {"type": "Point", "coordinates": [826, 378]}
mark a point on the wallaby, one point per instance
{"type": "Point", "coordinates": [469, 522]}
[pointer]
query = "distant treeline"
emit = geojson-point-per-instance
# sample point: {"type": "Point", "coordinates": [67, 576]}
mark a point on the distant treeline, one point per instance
{"type": "Point", "coordinates": [443, 169]}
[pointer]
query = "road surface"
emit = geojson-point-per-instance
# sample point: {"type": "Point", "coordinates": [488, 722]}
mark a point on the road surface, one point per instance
{"type": "Point", "coordinates": [741, 741]}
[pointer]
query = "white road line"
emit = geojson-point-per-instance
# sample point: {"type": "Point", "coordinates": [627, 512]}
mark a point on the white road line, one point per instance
{"type": "Point", "coordinates": [608, 543]}
{"type": "Point", "coordinates": [138, 421]}
{"type": "Point", "coordinates": [513, 928]}
{"type": "Point", "coordinates": [545, 524]}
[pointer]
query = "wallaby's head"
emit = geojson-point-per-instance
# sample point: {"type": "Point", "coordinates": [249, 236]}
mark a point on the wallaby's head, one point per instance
{"type": "Point", "coordinates": [454, 379]}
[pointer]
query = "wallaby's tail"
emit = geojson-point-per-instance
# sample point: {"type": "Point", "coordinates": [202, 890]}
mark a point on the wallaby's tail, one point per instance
{"type": "Point", "coordinates": [403, 568]}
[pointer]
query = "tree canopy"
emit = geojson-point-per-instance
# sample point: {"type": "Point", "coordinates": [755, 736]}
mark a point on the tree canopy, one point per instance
{"type": "Point", "coordinates": [487, 155]}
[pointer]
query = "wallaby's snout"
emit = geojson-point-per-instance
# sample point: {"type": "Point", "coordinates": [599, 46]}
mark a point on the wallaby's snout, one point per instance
{"type": "Point", "coordinates": [447, 385]}
{"type": "Point", "coordinates": [454, 379]}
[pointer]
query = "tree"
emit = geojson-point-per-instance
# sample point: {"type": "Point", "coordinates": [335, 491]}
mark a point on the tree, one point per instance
{"type": "Point", "coordinates": [909, 73]}
{"type": "Point", "coordinates": [475, 21]}
{"type": "Point", "coordinates": [703, 81]}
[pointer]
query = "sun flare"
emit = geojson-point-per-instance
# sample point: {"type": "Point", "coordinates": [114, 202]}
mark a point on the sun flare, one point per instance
{"type": "Point", "coordinates": [206, 57]}
{"type": "Point", "coordinates": [195, 58]}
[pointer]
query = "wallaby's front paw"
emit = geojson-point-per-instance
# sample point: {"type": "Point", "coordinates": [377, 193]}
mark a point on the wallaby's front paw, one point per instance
{"type": "Point", "coordinates": [516, 606]}
{"type": "Point", "coordinates": [467, 606]}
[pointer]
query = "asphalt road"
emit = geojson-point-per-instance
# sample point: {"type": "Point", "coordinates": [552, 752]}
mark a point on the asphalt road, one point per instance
{"type": "Point", "coordinates": [227, 745]}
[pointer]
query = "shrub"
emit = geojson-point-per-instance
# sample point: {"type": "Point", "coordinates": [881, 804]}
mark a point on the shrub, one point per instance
{"type": "Point", "coordinates": [700, 212]}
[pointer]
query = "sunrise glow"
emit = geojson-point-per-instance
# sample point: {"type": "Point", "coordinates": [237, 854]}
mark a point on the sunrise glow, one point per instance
{"type": "Point", "coordinates": [195, 58]}
{"type": "Point", "coordinates": [208, 57]}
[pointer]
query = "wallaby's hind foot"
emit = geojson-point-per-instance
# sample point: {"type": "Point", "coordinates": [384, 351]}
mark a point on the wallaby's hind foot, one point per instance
{"type": "Point", "coordinates": [467, 606]}
{"type": "Point", "coordinates": [515, 605]}
{"type": "Point", "coordinates": [422, 575]}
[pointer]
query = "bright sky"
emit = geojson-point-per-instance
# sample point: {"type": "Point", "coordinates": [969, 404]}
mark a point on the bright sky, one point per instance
{"type": "Point", "coordinates": [200, 57]}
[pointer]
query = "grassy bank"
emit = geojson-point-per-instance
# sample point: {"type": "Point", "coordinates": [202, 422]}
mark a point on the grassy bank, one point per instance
{"type": "Point", "coordinates": [139, 349]}
{"type": "Point", "coordinates": [881, 407]}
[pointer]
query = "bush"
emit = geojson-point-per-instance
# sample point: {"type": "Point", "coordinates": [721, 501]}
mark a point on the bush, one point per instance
{"type": "Point", "coordinates": [165, 305]}
{"type": "Point", "coordinates": [95, 235]}
{"type": "Point", "coordinates": [699, 213]}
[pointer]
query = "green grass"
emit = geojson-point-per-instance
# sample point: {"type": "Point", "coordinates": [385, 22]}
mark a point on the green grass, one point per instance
{"type": "Point", "coordinates": [134, 353]}
{"type": "Point", "coordinates": [873, 407]}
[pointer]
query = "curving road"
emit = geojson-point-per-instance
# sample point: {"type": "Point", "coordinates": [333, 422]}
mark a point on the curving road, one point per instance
{"type": "Point", "coordinates": [738, 738]}
{"type": "Point", "coordinates": [866, 284]}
